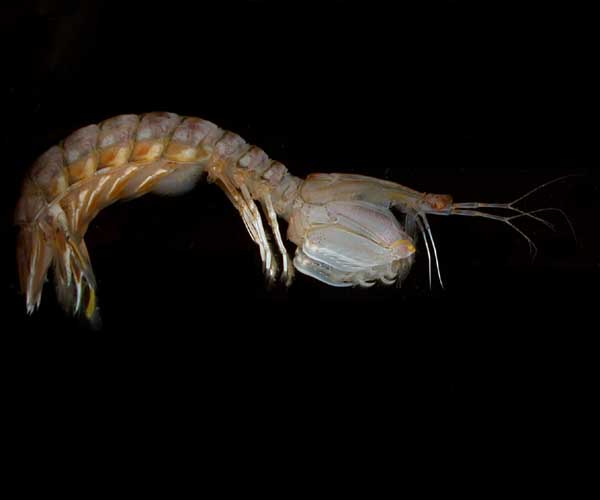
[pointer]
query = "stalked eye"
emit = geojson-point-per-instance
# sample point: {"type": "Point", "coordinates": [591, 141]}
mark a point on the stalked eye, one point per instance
{"type": "Point", "coordinates": [438, 201]}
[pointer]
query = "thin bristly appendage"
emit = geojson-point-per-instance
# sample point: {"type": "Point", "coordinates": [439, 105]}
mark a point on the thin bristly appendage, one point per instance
{"type": "Point", "coordinates": [270, 263]}
{"type": "Point", "coordinates": [425, 239]}
{"type": "Point", "coordinates": [288, 271]}
{"type": "Point", "coordinates": [425, 222]}
{"type": "Point", "coordinates": [530, 214]}
{"type": "Point", "coordinates": [511, 205]}
{"type": "Point", "coordinates": [507, 220]}
{"type": "Point", "coordinates": [471, 209]}
{"type": "Point", "coordinates": [426, 228]}
{"type": "Point", "coordinates": [251, 224]}
{"type": "Point", "coordinates": [565, 216]}
{"type": "Point", "coordinates": [546, 184]}
{"type": "Point", "coordinates": [506, 206]}
{"type": "Point", "coordinates": [522, 213]}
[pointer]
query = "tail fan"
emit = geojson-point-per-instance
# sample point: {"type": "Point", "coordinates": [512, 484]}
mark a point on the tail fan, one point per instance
{"type": "Point", "coordinates": [74, 280]}
{"type": "Point", "coordinates": [34, 256]}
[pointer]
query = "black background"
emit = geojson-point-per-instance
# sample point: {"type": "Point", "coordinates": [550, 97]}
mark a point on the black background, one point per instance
{"type": "Point", "coordinates": [483, 102]}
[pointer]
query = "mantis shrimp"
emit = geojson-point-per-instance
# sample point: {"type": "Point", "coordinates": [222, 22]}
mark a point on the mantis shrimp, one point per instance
{"type": "Point", "coordinates": [343, 225]}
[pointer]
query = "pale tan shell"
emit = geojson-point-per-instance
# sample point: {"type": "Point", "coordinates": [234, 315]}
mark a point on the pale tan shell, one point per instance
{"type": "Point", "coordinates": [135, 153]}
{"type": "Point", "coordinates": [125, 157]}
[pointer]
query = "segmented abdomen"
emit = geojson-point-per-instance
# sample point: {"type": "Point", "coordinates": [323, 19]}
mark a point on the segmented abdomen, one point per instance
{"type": "Point", "coordinates": [127, 156]}
{"type": "Point", "coordinates": [124, 156]}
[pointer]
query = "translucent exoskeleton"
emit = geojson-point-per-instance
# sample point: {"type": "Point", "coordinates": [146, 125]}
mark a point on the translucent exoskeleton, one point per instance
{"type": "Point", "coordinates": [349, 230]}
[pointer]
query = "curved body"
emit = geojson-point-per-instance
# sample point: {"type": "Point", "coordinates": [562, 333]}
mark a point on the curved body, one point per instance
{"type": "Point", "coordinates": [342, 224]}
{"type": "Point", "coordinates": [128, 156]}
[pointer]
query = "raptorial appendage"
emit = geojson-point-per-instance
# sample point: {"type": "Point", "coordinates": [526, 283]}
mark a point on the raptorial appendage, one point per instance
{"type": "Point", "coordinates": [346, 234]}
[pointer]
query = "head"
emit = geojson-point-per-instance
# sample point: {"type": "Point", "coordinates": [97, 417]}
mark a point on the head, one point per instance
{"type": "Point", "coordinates": [436, 203]}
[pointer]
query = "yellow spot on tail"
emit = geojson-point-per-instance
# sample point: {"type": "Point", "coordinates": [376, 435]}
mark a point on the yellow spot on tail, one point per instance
{"type": "Point", "coordinates": [406, 243]}
{"type": "Point", "coordinates": [91, 306]}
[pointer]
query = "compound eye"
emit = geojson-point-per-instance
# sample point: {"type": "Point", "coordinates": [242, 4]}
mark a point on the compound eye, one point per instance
{"type": "Point", "coordinates": [439, 201]}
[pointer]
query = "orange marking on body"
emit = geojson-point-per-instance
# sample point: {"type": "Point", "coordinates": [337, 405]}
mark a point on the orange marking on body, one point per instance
{"type": "Point", "coordinates": [83, 168]}
{"type": "Point", "coordinates": [177, 151]}
{"type": "Point", "coordinates": [406, 243]}
{"type": "Point", "coordinates": [147, 151]}
{"type": "Point", "coordinates": [57, 186]}
{"type": "Point", "coordinates": [438, 201]}
{"type": "Point", "coordinates": [114, 156]}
